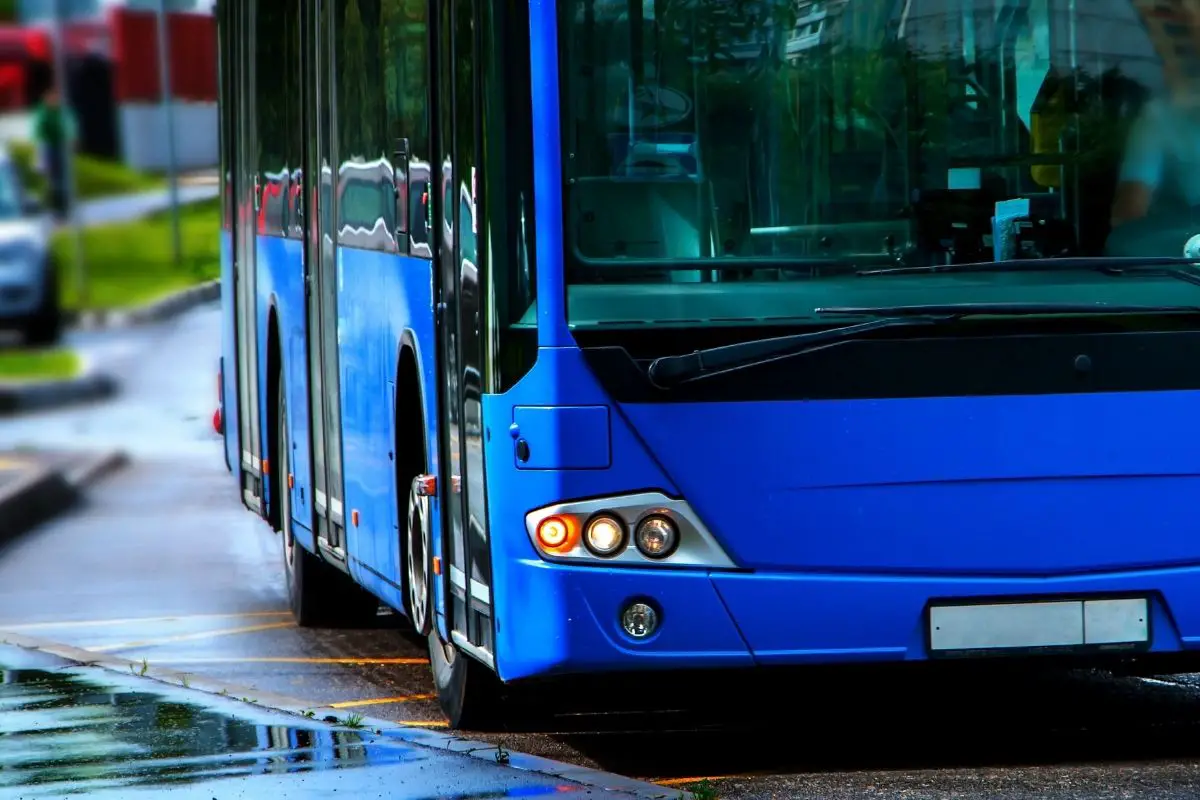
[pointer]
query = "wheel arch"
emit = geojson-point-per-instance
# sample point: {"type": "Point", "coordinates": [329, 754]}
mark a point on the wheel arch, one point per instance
{"type": "Point", "coordinates": [411, 397]}
{"type": "Point", "coordinates": [411, 432]}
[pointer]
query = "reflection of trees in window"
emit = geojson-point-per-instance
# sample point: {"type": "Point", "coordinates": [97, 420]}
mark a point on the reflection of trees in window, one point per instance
{"type": "Point", "coordinates": [405, 31]}
{"type": "Point", "coordinates": [353, 120]}
{"type": "Point", "coordinates": [381, 80]}
{"type": "Point", "coordinates": [271, 56]}
{"type": "Point", "coordinates": [294, 123]}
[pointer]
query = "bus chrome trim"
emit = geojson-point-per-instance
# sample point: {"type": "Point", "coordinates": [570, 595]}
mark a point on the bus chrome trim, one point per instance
{"type": "Point", "coordinates": [474, 651]}
{"type": "Point", "coordinates": [698, 548]}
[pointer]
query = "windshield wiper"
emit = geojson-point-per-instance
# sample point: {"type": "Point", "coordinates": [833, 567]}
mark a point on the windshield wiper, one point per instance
{"type": "Point", "coordinates": [1165, 266]}
{"type": "Point", "coordinates": [668, 371]}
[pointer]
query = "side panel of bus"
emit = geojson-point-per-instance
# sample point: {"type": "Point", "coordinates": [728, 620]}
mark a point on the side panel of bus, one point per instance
{"type": "Point", "coordinates": [359, 214]}
{"type": "Point", "coordinates": [242, 372]}
{"type": "Point", "coordinates": [378, 276]}
{"type": "Point", "coordinates": [227, 371]}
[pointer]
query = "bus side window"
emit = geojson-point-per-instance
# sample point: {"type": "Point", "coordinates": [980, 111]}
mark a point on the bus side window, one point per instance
{"type": "Point", "coordinates": [404, 42]}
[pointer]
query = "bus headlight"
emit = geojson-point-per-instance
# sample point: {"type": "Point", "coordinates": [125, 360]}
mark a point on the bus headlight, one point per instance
{"type": "Point", "coordinates": [657, 536]}
{"type": "Point", "coordinates": [604, 535]}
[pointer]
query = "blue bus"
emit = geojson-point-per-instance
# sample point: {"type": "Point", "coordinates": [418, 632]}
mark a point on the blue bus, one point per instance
{"type": "Point", "coordinates": [616, 335]}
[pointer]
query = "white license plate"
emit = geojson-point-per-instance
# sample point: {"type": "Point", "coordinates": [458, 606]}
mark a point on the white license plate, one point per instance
{"type": "Point", "coordinates": [1057, 623]}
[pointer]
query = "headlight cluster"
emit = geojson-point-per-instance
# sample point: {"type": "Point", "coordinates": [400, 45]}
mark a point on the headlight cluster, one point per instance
{"type": "Point", "coordinates": [606, 534]}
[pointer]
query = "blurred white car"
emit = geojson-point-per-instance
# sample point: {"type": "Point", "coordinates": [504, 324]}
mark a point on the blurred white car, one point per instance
{"type": "Point", "coordinates": [29, 300]}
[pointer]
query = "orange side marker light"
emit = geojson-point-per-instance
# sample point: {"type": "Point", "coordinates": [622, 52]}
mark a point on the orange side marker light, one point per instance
{"type": "Point", "coordinates": [559, 534]}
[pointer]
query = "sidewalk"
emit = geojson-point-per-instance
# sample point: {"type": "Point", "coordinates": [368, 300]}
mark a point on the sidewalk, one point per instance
{"type": "Point", "coordinates": [111, 735]}
{"type": "Point", "coordinates": [122, 208]}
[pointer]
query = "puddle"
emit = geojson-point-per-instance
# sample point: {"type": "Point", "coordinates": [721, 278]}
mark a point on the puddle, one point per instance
{"type": "Point", "coordinates": [64, 734]}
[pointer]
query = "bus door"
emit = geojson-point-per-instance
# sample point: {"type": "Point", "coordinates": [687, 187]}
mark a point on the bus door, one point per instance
{"type": "Point", "coordinates": [247, 199]}
{"type": "Point", "coordinates": [320, 270]}
{"type": "Point", "coordinates": [459, 264]}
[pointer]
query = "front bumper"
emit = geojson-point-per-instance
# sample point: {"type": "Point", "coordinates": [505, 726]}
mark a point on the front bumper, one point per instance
{"type": "Point", "coordinates": [556, 619]}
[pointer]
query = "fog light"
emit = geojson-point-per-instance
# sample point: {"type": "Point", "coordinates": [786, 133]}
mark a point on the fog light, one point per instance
{"type": "Point", "coordinates": [657, 537]}
{"type": "Point", "coordinates": [639, 620]}
{"type": "Point", "coordinates": [604, 535]}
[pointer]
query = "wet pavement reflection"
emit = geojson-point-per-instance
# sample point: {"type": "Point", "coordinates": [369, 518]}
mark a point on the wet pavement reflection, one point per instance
{"type": "Point", "coordinates": [65, 731]}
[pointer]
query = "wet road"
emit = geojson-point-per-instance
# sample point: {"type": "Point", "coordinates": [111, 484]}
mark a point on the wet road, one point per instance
{"type": "Point", "coordinates": [11, 468]}
{"type": "Point", "coordinates": [164, 565]}
{"type": "Point", "coordinates": [74, 731]}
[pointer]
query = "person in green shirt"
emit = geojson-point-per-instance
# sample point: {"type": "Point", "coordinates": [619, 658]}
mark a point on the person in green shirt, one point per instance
{"type": "Point", "coordinates": [55, 134]}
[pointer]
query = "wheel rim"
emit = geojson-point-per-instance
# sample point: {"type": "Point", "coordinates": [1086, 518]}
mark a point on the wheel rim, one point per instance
{"type": "Point", "coordinates": [418, 561]}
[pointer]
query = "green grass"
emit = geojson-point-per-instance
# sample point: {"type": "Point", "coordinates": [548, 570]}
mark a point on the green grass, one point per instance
{"type": "Point", "coordinates": [94, 177]}
{"type": "Point", "coordinates": [27, 365]}
{"type": "Point", "coordinates": [131, 263]}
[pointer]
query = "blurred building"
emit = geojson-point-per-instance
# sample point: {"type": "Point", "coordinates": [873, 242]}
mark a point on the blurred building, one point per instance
{"type": "Point", "coordinates": [23, 54]}
{"type": "Point", "coordinates": [113, 76]}
{"type": "Point", "coordinates": [39, 11]}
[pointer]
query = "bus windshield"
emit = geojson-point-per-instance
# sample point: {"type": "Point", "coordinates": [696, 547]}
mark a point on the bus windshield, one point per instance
{"type": "Point", "coordinates": [769, 150]}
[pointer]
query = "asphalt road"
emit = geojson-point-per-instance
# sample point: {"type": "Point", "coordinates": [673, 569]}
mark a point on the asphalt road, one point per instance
{"type": "Point", "coordinates": [162, 564]}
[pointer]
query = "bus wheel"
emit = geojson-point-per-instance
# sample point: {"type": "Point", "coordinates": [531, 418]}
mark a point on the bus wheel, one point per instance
{"type": "Point", "coordinates": [468, 692]}
{"type": "Point", "coordinates": [417, 556]}
{"type": "Point", "coordinates": [320, 595]}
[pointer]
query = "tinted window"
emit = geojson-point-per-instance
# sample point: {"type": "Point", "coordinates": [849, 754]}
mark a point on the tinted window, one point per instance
{"type": "Point", "coordinates": [771, 140]}
{"type": "Point", "coordinates": [382, 89]}
{"type": "Point", "coordinates": [272, 53]}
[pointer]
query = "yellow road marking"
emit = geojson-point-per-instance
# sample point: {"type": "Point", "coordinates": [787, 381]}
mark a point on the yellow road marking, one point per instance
{"type": "Point", "coordinates": [12, 463]}
{"type": "Point", "coordinates": [188, 637]}
{"type": "Point", "coordinates": [402, 662]}
{"type": "Point", "coordinates": [383, 701]}
{"type": "Point", "coordinates": [108, 623]}
{"type": "Point", "coordinates": [684, 781]}
{"type": "Point", "coordinates": [415, 724]}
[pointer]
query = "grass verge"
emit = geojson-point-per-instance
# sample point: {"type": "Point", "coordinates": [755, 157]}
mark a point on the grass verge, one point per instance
{"type": "Point", "coordinates": [35, 365]}
{"type": "Point", "coordinates": [94, 177]}
{"type": "Point", "coordinates": [131, 263]}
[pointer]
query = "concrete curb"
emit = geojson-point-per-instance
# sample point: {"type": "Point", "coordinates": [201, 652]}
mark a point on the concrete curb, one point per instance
{"type": "Point", "coordinates": [48, 491]}
{"type": "Point", "coordinates": [16, 398]}
{"type": "Point", "coordinates": [163, 309]}
{"type": "Point", "coordinates": [92, 468]}
{"type": "Point", "coordinates": [589, 778]}
{"type": "Point", "coordinates": [33, 499]}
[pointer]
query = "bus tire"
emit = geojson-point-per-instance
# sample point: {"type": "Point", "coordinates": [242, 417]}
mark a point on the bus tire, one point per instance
{"type": "Point", "coordinates": [319, 594]}
{"type": "Point", "coordinates": [468, 692]}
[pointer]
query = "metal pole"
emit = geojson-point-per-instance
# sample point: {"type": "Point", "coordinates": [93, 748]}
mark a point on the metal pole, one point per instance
{"type": "Point", "coordinates": [164, 79]}
{"type": "Point", "coordinates": [68, 151]}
